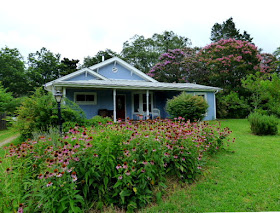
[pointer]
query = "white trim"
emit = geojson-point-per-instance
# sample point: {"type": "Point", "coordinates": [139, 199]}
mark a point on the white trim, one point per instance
{"type": "Point", "coordinates": [114, 104]}
{"type": "Point", "coordinates": [85, 102]}
{"type": "Point", "coordinates": [200, 94]}
{"type": "Point", "coordinates": [147, 104]}
{"type": "Point", "coordinates": [74, 74]}
{"type": "Point", "coordinates": [215, 113]}
{"type": "Point", "coordinates": [124, 64]}
{"type": "Point", "coordinates": [205, 98]}
{"type": "Point", "coordinates": [140, 93]}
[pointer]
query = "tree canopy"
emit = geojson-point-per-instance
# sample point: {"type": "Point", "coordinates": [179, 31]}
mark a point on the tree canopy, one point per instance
{"type": "Point", "coordinates": [12, 71]}
{"type": "Point", "coordinates": [107, 54]}
{"type": "Point", "coordinates": [143, 53]}
{"type": "Point", "coordinates": [44, 66]}
{"type": "Point", "coordinates": [228, 30]}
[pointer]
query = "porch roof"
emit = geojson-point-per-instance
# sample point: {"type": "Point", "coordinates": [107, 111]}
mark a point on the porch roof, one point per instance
{"type": "Point", "coordinates": [133, 85]}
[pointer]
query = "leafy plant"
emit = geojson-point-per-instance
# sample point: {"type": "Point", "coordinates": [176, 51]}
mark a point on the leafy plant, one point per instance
{"type": "Point", "coordinates": [187, 106]}
{"type": "Point", "coordinates": [114, 164]}
{"type": "Point", "coordinates": [39, 112]}
{"type": "Point", "coordinates": [263, 124]}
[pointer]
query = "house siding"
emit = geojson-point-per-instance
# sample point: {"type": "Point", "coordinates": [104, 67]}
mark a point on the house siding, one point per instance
{"type": "Point", "coordinates": [121, 74]}
{"type": "Point", "coordinates": [160, 99]}
{"type": "Point", "coordinates": [105, 101]}
{"type": "Point", "coordinates": [82, 77]}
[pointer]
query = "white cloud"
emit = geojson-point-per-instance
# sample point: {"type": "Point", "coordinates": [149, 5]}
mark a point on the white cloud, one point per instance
{"type": "Point", "coordinates": [77, 29]}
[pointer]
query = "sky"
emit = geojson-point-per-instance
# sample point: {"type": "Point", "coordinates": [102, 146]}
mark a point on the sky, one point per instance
{"type": "Point", "coordinates": [77, 29]}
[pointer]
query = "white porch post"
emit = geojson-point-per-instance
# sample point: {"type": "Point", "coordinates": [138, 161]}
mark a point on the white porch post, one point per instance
{"type": "Point", "coordinates": [215, 113]}
{"type": "Point", "coordinates": [147, 101]}
{"type": "Point", "coordinates": [114, 104]}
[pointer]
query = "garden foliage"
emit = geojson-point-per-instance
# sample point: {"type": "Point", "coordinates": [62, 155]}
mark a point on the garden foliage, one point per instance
{"type": "Point", "coordinates": [39, 112]}
{"type": "Point", "coordinates": [113, 164]}
{"type": "Point", "coordinates": [187, 106]}
{"type": "Point", "coordinates": [263, 124]}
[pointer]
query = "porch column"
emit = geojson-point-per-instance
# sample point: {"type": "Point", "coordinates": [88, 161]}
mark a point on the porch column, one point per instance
{"type": "Point", "coordinates": [147, 101]}
{"type": "Point", "coordinates": [114, 104]}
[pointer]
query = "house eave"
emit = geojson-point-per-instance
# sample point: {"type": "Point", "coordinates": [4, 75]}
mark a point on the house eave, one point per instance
{"type": "Point", "coordinates": [161, 87]}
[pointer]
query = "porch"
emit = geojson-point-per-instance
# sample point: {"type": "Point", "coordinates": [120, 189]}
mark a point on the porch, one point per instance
{"type": "Point", "coordinates": [121, 104]}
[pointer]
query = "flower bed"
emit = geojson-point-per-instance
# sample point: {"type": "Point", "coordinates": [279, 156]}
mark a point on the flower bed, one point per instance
{"type": "Point", "coordinates": [117, 164]}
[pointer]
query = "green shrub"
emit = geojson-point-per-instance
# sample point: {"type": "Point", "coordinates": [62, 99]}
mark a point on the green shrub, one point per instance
{"type": "Point", "coordinates": [39, 112]}
{"type": "Point", "coordinates": [263, 124]}
{"type": "Point", "coordinates": [187, 106]}
{"type": "Point", "coordinates": [97, 120]}
{"type": "Point", "coordinates": [232, 106]}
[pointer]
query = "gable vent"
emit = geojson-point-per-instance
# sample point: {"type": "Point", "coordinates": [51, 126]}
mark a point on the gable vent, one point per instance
{"type": "Point", "coordinates": [114, 69]}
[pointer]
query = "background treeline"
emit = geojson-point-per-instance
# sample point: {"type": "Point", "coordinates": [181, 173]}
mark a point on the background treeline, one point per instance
{"type": "Point", "coordinates": [249, 77]}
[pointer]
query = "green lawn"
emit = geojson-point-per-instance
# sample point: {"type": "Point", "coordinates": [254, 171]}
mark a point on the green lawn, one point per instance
{"type": "Point", "coordinates": [245, 180]}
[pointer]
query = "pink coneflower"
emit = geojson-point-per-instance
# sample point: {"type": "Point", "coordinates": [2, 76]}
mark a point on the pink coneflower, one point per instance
{"type": "Point", "coordinates": [152, 162]}
{"type": "Point", "coordinates": [76, 146]}
{"type": "Point", "coordinates": [40, 176]}
{"type": "Point", "coordinates": [95, 155]}
{"type": "Point", "coordinates": [49, 184]}
{"type": "Point", "coordinates": [125, 165]}
{"type": "Point", "coordinates": [127, 173]}
{"type": "Point", "coordinates": [20, 208]}
{"type": "Point", "coordinates": [118, 167]}
{"type": "Point", "coordinates": [74, 176]}
{"type": "Point", "coordinates": [120, 177]}
{"type": "Point", "coordinates": [145, 162]}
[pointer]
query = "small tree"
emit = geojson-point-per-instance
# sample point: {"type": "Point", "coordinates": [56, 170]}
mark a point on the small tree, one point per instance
{"type": "Point", "coordinates": [39, 112]}
{"type": "Point", "coordinates": [187, 106]}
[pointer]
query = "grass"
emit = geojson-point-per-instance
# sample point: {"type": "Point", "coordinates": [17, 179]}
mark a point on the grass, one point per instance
{"type": "Point", "coordinates": [5, 134]}
{"type": "Point", "coordinates": [243, 180]}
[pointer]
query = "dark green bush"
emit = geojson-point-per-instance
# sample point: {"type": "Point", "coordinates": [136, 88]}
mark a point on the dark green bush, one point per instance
{"type": "Point", "coordinates": [263, 124]}
{"type": "Point", "coordinates": [232, 105]}
{"type": "Point", "coordinates": [39, 112]}
{"type": "Point", "coordinates": [187, 106]}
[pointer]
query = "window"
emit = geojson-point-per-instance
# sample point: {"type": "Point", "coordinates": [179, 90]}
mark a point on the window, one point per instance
{"type": "Point", "coordinates": [85, 98]}
{"type": "Point", "coordinates": [140, 102]}
{"type": "Point", "coordinates": [201, 94]}
{"type": "Point", "coordinates": [204, 96]}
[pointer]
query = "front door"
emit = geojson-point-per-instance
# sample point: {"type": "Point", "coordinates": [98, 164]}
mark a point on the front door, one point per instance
{"type": "Point", "coordinates": [120, 105]}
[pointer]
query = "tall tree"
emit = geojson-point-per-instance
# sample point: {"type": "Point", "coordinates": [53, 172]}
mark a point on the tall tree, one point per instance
{"type": "Point", "coordinates": [107, 54]}
{"type": "Point", "coordinates": [12, 71]}
{"type": "Point", "coordinates": [228, 30]}
{"type": "Point", "coordinates": [68, 66]}
{"type": "Point", "coordinates": [143, 53]}
{"type": "Point", "coordinates": [228, 61]}
{"type": "Point", "coordinates": [178, 65]}
{"type": "Point", "coordinates": [44, 66]}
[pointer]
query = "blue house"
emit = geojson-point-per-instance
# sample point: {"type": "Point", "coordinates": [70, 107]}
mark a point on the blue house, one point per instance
{"type": "Point", "coordinates": [115, 88]}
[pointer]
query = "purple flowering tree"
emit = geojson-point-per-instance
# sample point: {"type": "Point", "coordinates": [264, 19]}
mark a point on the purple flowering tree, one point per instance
{"type": "Point", "coordinates": [172, 66]}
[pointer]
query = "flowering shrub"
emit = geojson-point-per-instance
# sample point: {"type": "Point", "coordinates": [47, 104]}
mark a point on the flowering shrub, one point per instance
{"type": "Point", "coordinates": [111, 164]}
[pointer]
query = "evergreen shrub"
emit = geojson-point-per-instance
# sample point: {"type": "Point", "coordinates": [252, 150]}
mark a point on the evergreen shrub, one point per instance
{"type": "Point", "coordinates": [263, 124]}
{"type": "Point", "coordinates": [187, 106]}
